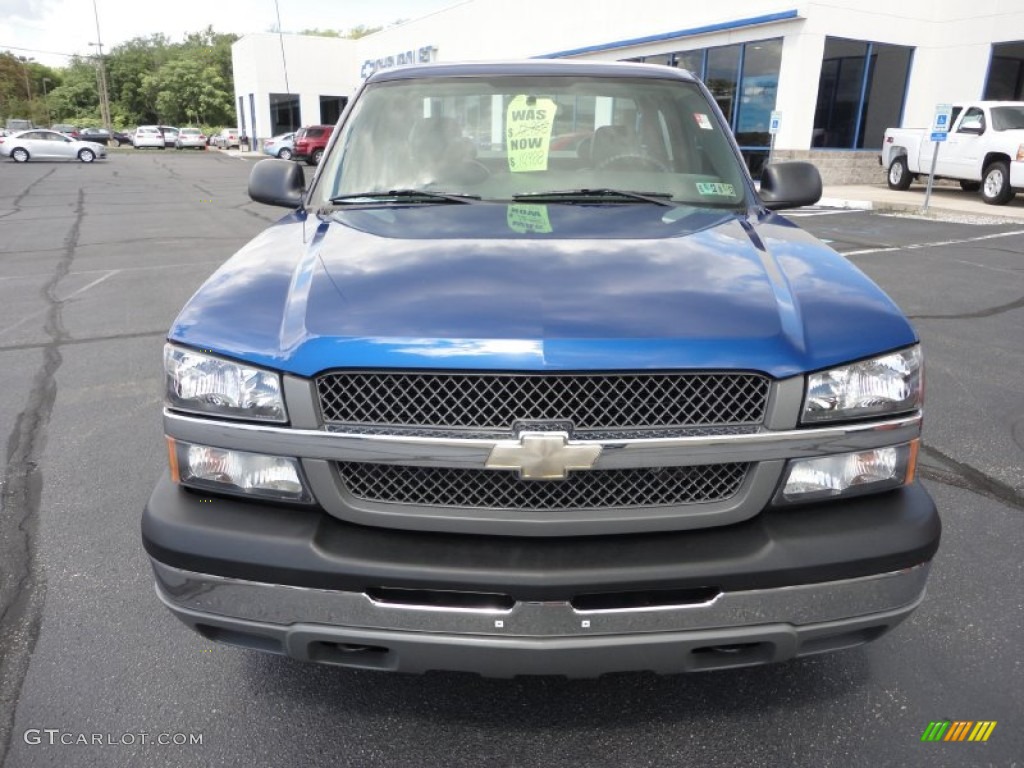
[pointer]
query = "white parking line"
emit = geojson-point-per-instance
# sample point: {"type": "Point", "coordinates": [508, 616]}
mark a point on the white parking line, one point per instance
{"type": "Point", "coordinates": [38, 313]}
{"type": "Point", "coordinates": [915, 246]}
{"type": "Point", "coordinates": [821, 212]}
{"type": "Point", "coordinates": [36, 275]}
{"type": "Point", "coordinates": [95, 282]}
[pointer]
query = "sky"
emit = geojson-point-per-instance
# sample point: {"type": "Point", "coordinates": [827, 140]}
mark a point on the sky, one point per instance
{"type": "Point", "coordinates": [45, 29]}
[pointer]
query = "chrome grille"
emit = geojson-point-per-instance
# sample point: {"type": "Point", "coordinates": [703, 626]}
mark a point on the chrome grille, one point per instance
{"type": "Point", "coordinates": [496, 489]}
{"type": "Point", "coordinates": [500, 400]}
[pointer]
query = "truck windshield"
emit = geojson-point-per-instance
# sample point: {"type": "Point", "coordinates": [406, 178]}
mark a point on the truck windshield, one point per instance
{"type": "Point", "coordinates": [503, 138]}
{"type": "Point", "coordinates": [1007, 118]}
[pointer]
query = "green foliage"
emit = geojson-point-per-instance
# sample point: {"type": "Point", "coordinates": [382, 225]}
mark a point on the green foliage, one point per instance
{"type": "Point", "coordinates": [352, 34]}
{"type": "Point", "coordinates": [149, 80]}
{"type": "Point", "coordinates": [317, 32]}
{"type": "Point", "coordinates": [22, 87]}
{"type": "Point", "coordinates": [361, 31]}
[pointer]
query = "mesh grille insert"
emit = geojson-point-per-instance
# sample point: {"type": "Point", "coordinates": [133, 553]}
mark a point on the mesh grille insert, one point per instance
{"type": "Point", "coordinates": [499, 401]}
{"type": "Point", "coordinates": [496, 489]}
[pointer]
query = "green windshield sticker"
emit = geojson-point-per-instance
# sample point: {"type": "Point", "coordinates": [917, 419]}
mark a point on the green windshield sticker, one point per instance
{"type": "Point", "coordinates": [528, 133]}
{"type": "Point", "coordinates": [715, 188]}
{"type": "Point", "coordinates": [529, 218]}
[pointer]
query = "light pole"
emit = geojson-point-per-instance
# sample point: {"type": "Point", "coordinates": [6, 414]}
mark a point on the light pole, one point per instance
{"type": "Point", "coordinates": [102, 81]}
{"type": "Point", "coordinates": [104, 95]}
{"type": "Point", "coordinates": [46, 101]}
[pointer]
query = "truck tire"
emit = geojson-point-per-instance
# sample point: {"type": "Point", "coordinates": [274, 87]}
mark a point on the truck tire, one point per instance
{"type": "Point", "coordinates": [899, 174]}
{"type": "Point", "coordinates": [995, 183]}
{"type": "Point", "coordinates": [970, 186]}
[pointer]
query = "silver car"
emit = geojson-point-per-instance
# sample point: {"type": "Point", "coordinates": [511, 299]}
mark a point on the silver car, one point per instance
{"type": "Point", "coordinates": [190, 138]}
{"type": "Point", "coordinates": [282, 146]}
{"type": "Point", "coordinates": [41, 144]}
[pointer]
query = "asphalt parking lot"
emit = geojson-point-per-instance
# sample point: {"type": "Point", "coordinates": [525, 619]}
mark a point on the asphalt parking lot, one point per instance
{"type": "Point", "coordinates": [95, 262]}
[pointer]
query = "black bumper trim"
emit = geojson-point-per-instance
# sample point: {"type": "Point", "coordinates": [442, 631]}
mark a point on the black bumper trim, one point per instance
{"type": "Point", "coordinates": [308, 548]}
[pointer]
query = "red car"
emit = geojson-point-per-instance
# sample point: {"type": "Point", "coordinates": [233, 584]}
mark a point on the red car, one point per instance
{"type": "Point", "coordinates": [310, 142]}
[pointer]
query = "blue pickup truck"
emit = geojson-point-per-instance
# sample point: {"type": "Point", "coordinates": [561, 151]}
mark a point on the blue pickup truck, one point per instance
{"type": "Point", "coordinates": [532, 380]}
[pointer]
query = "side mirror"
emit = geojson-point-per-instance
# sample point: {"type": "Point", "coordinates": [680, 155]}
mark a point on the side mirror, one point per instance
{"type": "Point", "coordinates": [277, 182]}
{"type": "Point", "coordinates": [790, 185]}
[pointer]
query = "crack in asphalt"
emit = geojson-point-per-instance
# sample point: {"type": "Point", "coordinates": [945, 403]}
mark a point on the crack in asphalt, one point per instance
{"type": "Point", "coordinates": [990, 312]}
{"type": "Point", "coordinates": [90, 340]}
{"type": "Point", "coordinates": [23, 594]}
{"type": "Point", "coordinates": [28, 190]}
{"type": "Point", "coordinates": [961, 475]}
{"type": "Point", "coordinates": [254, 214]}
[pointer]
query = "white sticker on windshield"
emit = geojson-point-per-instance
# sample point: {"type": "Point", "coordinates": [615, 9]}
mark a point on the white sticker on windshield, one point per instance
{"type": "Point", "coordinates": [703, 121]}
{"type": "Point", "coordinates": [715, 188]}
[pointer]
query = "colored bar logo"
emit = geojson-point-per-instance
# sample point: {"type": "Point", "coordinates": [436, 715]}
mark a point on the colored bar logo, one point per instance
{"type": "Point", "coordinates": [958, 730]}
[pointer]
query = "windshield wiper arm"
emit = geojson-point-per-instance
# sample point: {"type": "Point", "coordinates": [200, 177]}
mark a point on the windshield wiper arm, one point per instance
{"type": "Point", "coordinates": [658, 198]}
{"type": "Point", "coordinates": [422, 195]}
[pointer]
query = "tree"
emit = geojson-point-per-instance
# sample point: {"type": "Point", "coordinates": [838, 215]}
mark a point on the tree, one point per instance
{"type": "Point", "coordinates": [150, 80]}
{"type": "Point", "coordinates": [189, 92]}
{"type": "Point", "coordinates": [76, 97]}
{"type": "Point", "coordinates": [21, 87]}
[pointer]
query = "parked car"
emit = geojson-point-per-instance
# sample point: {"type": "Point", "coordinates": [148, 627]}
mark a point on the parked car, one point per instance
{"type": "Point", "coordinates": [984, 149]}
{"type": "Point", "coordinates": [103, 136]}
{"type": "Point", "coordinates": [13, 125]}
{"type": "Point", "coordinates": [226, 138]}
{"type": "Point", "coordinates": [67, 129]}
{"type": "Point", "coordinates": [281, 146]}
{"type": "Point", "coordinates": [521, 411]}
{"type": "Point", "coordinates": [310, 143]}
{"type": "Point", "coordinates": [170, 134]}
{"type": "Point", "coordinates": [190, 138]}
{"type": "Point", "coordinates": [148, 136]}
{"type": "Point", "coordinates": [41, 144]}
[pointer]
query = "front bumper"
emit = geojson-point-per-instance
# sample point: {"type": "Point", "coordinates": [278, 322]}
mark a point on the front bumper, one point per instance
{"type": "Point", "coordinates": [733, 629]}
{"type": "Point", "coordinates": [786, 583]}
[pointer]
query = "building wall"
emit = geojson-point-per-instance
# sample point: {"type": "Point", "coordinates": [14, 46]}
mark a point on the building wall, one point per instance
{"type": "Point", "coordinates": [952, 41]}
{"type": "Point", "coordinates": [316, 66]}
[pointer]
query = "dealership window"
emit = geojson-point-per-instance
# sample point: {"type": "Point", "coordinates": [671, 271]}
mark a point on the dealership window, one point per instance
{"type": "Point", "coordinates": [284, 113]}
{"type": "Point", "coordinates": [722, 75]}
{"type": "Point", "coordinates": [861, 92]}
{"type": "Point", "coordinates": [744, 80]}
{"type": "Point", "coordinates": [693, 61]}
{"type": "Point", "coordinates": [331, 108]}
{"type": "Point", "coordinates": [1006, 73]}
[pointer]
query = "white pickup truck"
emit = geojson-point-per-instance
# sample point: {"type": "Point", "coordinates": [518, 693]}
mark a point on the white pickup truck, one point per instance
{"type": "Point", "coordinates": [984, 149]}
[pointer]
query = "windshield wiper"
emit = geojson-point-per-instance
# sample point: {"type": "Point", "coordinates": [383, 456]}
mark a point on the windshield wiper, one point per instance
{"type": "Point", "coordinates": [658, 198]}
{"type": "Point", "coordinates": [405, 195]}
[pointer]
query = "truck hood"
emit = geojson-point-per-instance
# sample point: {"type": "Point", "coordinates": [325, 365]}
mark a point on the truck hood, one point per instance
{"type": "Point", "coordinates": [535, 287]}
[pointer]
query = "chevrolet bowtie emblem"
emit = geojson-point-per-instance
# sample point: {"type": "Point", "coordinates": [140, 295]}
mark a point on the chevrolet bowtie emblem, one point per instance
{"type": "Point", "coordinates": [542, 455]}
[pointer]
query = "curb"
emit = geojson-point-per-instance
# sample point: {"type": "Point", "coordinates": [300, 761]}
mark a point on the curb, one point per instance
{"type": "Point", "coordinates": [934, 211]}
{"type": "Point", "coordinates": [853, 205]}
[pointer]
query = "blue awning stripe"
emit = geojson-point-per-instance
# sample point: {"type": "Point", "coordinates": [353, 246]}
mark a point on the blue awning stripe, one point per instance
{"type": "Point", "coordinates": [708, 28]}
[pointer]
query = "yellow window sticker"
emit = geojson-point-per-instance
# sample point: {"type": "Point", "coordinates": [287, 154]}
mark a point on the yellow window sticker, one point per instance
{"type": "Point", "coordinates": [709, 188]}
{"type": "Point", "coordinates": [528, 122]}
{"type": "Point", "coordinates": [529, 218]}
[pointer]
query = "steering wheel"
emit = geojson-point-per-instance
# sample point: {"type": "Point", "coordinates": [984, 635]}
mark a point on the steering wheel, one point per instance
{"type": "Point", "coordinates": [632, 162]}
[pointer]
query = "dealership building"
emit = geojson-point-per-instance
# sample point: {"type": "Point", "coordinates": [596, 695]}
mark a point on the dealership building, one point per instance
{"type": "Point", "coordinates": [836, 76]}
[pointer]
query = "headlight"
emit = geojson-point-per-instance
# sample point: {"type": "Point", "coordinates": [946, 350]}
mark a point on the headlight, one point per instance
{"type": "Point", "coordinates": [237, 472]}
{"type": "Point", "coordinates": [888, 384]}
{"type": "Point", "coordinates": [849, 474]}
{"type": "Point", "coordinates": [204, 384]}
